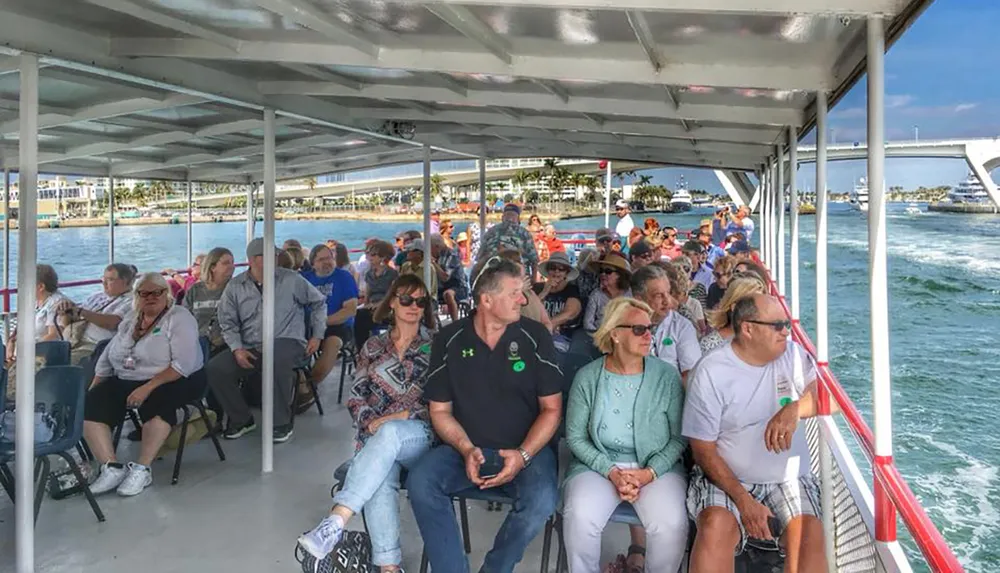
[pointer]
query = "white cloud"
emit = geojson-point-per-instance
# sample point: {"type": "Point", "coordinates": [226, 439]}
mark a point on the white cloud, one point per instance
{"type": "Point", "coordinates": [897, 101]}
{"type": "Point", "coordinates": [965, 107]}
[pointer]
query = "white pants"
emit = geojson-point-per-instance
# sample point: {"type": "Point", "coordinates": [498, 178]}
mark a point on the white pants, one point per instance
{"type": "Point", "coordinates": [590, 499]}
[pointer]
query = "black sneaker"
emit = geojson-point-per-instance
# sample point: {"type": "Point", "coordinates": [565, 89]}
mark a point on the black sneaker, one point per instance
{"type": "Point", "coordinates": [232, 433]}
{"type": "Point", "coordinates": [282, 433]}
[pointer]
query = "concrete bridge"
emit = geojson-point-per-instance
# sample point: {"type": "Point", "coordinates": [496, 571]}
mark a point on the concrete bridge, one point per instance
{"type": "Point", "coordinates": [982, 155]}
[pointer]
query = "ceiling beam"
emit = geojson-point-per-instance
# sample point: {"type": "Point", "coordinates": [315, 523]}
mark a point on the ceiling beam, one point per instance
{"type": "Point", "coordinates": [469, 25]}
{"type": "Point", "coordinates": [233, 153]}
{"type": "Point", "coordinates": [446, 80]}
{"type": "Point", "coordinates": [553, 88]}
{"type": "Point", "coordinates": [758, 7]}
{"type": "Point", "coordinates": [535, 101]}
{"type": "Point", "coordinates": [258, 167]}
{"type": "Point", "coordinates": [640, 27]}
{"type": "Point", "coordinates": [735, 62]}
{"type": "Point", "coordinates": [117, 88]}
{"type": "Point", "coordinates": [305, 14]}
{"type": "Point", "coordinates": [415, 105]}
{"type": "Point", "coordinates": [760, 135]}
{"type": "Point", "coordinates": [325, 75]}
{"type": "Point", "coordinates": [105, 110]}
{"type": "Point", "coordinates": [165, 20]}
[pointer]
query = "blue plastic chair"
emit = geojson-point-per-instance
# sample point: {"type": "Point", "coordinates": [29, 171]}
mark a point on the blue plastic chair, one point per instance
{"type": "Point", "coordinates": [55, 352]}
{"type": "Point", "coordinates": [62, 390]}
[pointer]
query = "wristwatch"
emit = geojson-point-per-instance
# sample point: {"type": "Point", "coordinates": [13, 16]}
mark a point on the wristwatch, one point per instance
{"type": "Point", "coordinates": [525, 456]}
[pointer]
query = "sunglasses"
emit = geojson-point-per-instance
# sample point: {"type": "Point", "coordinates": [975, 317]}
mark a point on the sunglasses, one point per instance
{"type": "Point", "coordinates": [150, 293]}
{"type": "Point", "coordinates": [407, 300]}
{"type": "Point", "coordinates": [606, 271]}
{"type": "Point", "coordinates": [638, 329]}
{"type": "Point", "coordinates": [777, 325]}
{"type": "Point", "coordinates": [558, 269]}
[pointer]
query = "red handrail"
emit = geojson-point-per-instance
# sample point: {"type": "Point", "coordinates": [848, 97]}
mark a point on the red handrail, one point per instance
{"type": "Point", "coordinates": [889, 481]}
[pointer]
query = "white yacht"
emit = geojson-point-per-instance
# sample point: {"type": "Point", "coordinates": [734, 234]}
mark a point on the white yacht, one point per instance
{"type": "Point", "coordinates": [969, 191]}
{"type": "Point", "coordinates": [681, 199]}
{"type": "Point", "coordinates": [859, 195]}
{"type": "Point", "coordinates": [913, 209]}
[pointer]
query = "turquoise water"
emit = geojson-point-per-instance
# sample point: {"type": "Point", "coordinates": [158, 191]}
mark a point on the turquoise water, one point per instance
{"type": "Point", "coordinates": [944, 302]}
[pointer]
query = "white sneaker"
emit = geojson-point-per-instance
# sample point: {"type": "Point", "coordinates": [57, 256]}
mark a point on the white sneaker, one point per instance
{"type": "Point", "coordinates": [321, 540]}
{"type": "Point", "coordinates": [138, 478]}
{"type": "Point", "coordinates": [109, 479]}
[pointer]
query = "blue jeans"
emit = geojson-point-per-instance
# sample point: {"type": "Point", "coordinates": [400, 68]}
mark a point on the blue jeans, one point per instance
{"type": "Point", "coordinates": [441, 474]}
{"type": "Point", "coordinates": [373, 483]}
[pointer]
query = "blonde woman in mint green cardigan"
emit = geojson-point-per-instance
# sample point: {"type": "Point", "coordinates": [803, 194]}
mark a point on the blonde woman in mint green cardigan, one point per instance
{"type": "Point", "coordinates": [623, 425]}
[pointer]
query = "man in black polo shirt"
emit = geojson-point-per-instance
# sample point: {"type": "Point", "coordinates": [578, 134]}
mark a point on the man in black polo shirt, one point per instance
{"type": "Point", "coordinates": [494, 394]}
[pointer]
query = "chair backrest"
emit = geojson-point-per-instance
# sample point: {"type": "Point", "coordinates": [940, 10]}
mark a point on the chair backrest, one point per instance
{"type": "Point", "coordinates": [99, 350]}
{"type": "Point", "coordinates": [55, 352]}
{"type": "Point", "coordinates": [62, 390]}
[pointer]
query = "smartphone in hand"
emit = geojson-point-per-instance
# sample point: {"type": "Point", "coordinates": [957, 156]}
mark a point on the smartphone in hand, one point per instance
{"type": "Point", "coordinates": [492, 466]}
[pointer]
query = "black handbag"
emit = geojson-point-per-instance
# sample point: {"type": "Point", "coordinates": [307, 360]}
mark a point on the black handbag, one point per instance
{"type": "Point", "coordinates": [352, 555]}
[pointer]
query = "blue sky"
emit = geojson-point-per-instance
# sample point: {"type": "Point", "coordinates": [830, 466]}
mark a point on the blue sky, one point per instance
{"type": "Point", "coordinates": [941, 76]}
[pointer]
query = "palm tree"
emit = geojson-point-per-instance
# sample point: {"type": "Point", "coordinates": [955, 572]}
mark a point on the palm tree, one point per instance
{"type": "Point", "coordinates": [437, 185]}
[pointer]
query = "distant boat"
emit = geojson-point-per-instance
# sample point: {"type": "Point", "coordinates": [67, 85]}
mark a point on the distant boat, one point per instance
{"type": "Point", "coordinates": [969, 191]}
{"type": "Point", "coordinates": [859, 196]}
{"type": "Point", "coordinates": [913, 209]}
{"type": "Point", "coordinates": [681, 199]}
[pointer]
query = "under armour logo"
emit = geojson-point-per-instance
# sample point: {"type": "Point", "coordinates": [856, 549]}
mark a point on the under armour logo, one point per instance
{"type": "Point", "coordinates": [468, 352]}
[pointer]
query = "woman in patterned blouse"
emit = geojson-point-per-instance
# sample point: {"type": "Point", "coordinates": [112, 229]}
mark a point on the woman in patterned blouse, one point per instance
{"type": "Point", "coordinates": [393, 428]}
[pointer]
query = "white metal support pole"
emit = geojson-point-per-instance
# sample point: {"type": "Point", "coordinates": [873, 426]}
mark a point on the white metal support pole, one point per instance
{"type": "Point", "coordinates": [793, 215]}
{"type": "Point", "coordinates": [190, 224]}
{"type": "Point", "coordinates": [27, 257]}
{"type": "Point", "coordinates": [773, 222]}
{"type": "Point", "coordinates": [822, 337]}
{"type": "Point", "coordinates": [885, 518]}
{"type": "Point", "coordinates": [762, 214]}
{"type": "Point", "coordinates": [267, 365]}
{"type": "Point", "coordinates": [482, 198]}
{"type": "Point", "coordinates": [111, 219]}
{"type": "Point", "coordinates": [251, 219]}
{"type": "Point", "coordinates": [765, 217]}
{"type": "Point", "coordinates": [607, 197]}
{"type": "Point", "coordinates": [428, 267]}
{"type": "Point", "coordinates": [780, 213]}
{"type": "Point", "coordinates": [6, 253]}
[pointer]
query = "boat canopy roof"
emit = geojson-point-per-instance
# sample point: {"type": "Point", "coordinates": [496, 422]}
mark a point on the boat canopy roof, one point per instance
{"type": "Point", "coordinates": [173, 89]}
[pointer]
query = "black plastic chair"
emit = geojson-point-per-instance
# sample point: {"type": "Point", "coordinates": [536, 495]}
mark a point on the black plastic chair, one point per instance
{"type": "Point", "coordinates": [200, 406]}
{"type": "Point", "coordinates": [305, 369]}
{"type": "Point", "coordinates": [348, 354]}
{"type": "Point", "coordinates": [55, 352]}
{"type": "Point", "coordinates": [62, 390]}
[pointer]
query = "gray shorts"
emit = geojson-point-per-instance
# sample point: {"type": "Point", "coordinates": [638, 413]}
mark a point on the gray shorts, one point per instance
{"type": "Point", "coordinates": [786, 500]}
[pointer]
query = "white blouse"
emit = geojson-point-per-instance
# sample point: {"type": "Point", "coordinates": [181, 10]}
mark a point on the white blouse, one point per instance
{"type": "Point", "coordinates": [173, 342]}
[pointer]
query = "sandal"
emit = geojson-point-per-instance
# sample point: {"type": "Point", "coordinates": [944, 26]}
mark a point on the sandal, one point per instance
{"type": "Point", "coordinates": [641, 552]}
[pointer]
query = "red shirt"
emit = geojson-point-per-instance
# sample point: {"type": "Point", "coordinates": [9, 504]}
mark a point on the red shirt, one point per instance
{"type": "Point", "coordinates": [554, 244]}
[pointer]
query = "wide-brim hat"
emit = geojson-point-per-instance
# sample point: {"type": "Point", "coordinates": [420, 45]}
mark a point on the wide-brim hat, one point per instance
{"type": "Point", "coordinates": [611, 260]}
{"type": "Point", "coordinates": [558, 258]}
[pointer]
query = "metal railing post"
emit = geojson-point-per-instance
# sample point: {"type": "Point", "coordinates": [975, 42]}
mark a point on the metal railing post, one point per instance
{"type": "Point", "coordinates": [762, 230]}
{"type": "Point", "coordinates": [267, 364]}
{"type": "Point", "coordinates": [793, 213]}
{"type": "Point", "coordinates": [822, 336]}
{"type": "Point", "coordinates": [251, 218]}
{"type": "Point", "coordinates": [27, 258]}
{"type": "Point", "coordinates": [428, 267]}
{"type": "Point", "coordinates": [111, 219]}
{"type": "Point", "coordinates": [482, 199]}
{"type": "Point", "coordinates": [607, 196]}
{"type": "Point", "coordinates": [190, 223]}
{"type": "Point", "coordinates": [6, 255]}
{"type": "Point", "coordinates": [780, 213]}
{"type": "Point", "coordinates": [885, 514]}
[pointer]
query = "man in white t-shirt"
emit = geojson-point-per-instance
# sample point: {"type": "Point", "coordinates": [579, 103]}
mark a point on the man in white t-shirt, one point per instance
{"type": "Point", "coordinates": [102, 312]}
{"type": "Point", "coordinates": [753, 479]}
{"type": "Point", "coordinates": [625, 222]}
{"type": "Point", "coordinates": [675, 340]}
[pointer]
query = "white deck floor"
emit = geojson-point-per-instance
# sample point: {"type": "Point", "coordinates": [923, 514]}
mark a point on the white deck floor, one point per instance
{"type": "Point", "coordinates": [227, 516]}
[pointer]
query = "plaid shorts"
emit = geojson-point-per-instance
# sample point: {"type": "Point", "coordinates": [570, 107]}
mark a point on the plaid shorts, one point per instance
{"type": "Point", "coordinates": [786, 500]}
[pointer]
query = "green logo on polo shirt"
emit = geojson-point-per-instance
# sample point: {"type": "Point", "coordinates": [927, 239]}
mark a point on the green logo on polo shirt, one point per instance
{"type": "Point", "coordinates": [785, 401]}
{"type": "Point", "coordinates": [668, 341]}
{"type": "Point", "coordinates": [426, 349]}
{"type": "Point", "coordinates": [468, 352]}
{"type": "Point", "coordinates": [518, 366]}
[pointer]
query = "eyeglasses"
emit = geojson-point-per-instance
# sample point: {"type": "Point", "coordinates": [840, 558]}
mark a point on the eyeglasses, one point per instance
{"type": "Point", "coordinates": [777, 325]}
{"type": "Point", "coordinates": [638, 329]}
{"type": "Point", "coordinates": [407, 300]}
{"type": "Point", "coordinates": [150, 293]}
